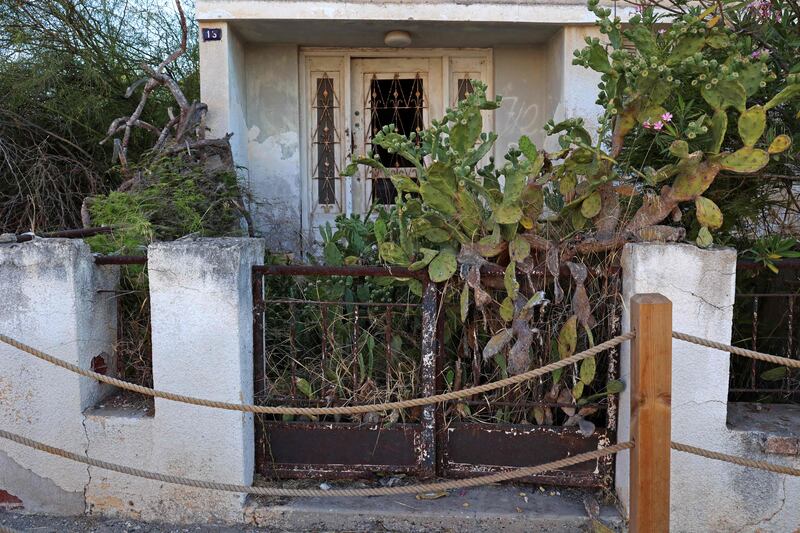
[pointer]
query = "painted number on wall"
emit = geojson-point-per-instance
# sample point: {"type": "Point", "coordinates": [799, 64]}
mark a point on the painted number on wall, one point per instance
{"type": "Point", "coordinates": [212, 34]}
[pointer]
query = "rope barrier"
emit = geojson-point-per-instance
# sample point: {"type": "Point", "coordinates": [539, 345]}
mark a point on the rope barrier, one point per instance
{"type": "Point", "coordinates": [751, 463]}
{"type": "Point", "coordinates": [275, 491]}
{"type": "Point", "coordinates": [785, 361]}
{"type": "Point", "coordinates": [250, 408]}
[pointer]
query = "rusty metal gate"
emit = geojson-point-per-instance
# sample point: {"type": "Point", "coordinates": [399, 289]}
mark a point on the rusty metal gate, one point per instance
{"type": "Point", "coordinates": [322, 339]}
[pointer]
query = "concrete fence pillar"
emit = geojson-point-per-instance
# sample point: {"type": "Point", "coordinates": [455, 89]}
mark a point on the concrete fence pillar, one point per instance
{"type": "Point", "coordinates": [202, 338]}
{"type": "Point", "coordinates": [52, 297]}
{"type": "Point", "coordinates": [701, 285]}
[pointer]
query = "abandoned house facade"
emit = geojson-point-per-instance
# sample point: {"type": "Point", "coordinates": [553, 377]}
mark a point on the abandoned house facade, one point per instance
{"type": "Point", "coordinates": [303, 85]}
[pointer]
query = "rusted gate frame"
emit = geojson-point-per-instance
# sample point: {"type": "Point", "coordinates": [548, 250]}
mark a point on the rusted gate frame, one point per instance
{"type": "Point", "coordinates": [441, 445]}
{"type": "Point", "coordinates": [423, 439]}
{"type": "Point", "coordinates": [757, 298]}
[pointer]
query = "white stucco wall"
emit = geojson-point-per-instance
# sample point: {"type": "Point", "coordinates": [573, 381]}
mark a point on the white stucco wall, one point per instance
{"type": "Point", "coordinates": [273, 143]}
{"type": "Point", "coordinates": [705, 495]}
{"type": "Point", "coordinates": [519, 76]}
{"type": "Point", "coordinates": [50, 301]}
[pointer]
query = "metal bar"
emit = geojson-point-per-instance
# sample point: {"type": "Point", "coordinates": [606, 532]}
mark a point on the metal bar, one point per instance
{"type": "Point", "coordinates": [354, 270]}
{"type": "Point", "coordinates": [259, 371]}
{"type": "Point", "coordinates": [120, 260]}
{"type": "Point", "coordinates": [749, 264]}
{"type": "Point", "coordinates": [333, 302]}
{"type": "Point", "coordinates": [754, 347]}
{"type": "Point", "coordinates": [427, 447]}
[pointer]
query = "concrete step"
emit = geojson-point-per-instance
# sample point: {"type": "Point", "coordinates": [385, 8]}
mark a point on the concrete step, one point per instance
{"type": "Point", "coordinates": [505, 508]}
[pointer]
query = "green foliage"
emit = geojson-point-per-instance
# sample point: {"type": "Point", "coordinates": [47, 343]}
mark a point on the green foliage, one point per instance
{"type": "Point", "coordinates": [177, 198]}
{"type": "Point", "coordinates": [65, 66]}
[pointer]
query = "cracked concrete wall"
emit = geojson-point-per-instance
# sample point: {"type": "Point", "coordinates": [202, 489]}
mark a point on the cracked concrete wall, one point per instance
{"type": "Point", "coordinates": [51, 301]}
{"type": "Point", "coordinates": [705, 495]}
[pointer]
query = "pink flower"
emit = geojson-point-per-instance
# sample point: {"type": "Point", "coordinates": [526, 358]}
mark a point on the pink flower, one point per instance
{"type": "Point", "coordinates": [658, 125]}
{"type": "Point", "coordinates": [662, 31]}
{"type": "Point", "coordinates": [646, 124]}
{"type": "Point", "coordinates": [666, 117]}
{"type": "Point", "coordinates": [758, 53]}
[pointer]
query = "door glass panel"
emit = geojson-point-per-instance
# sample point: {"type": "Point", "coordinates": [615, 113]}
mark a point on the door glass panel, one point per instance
{"type": "Point", "coordinates": [325, 140]}
{"type": "Point", "coordinates": [398, 101]}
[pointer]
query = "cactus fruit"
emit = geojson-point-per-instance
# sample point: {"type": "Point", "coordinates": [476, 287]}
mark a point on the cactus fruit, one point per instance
{"type": "Point", "coordinates": [725, 94]}
{"type": "Point", "coordinates": [708, 214]}
{"type": "Point", "coordinates": [779, 144]}
{"type": "Point", "coordinates": [745, 160]}
{"type": "Point", "coordinates": [752, 124]}
{"type": "Point", "coordinates": [443, 266]}
{"type": "Point", "coordinates": [590, 207]}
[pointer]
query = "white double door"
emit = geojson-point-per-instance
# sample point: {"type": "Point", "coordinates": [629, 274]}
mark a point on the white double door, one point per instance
{"type": "Point", "coordinates": [407, 92]}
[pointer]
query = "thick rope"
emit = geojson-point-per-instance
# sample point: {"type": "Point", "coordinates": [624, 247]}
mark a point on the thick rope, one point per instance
{"type": "Point", "coordinates": [275, 491]}
{"type": "Point", "coordinates": [741, 461]}
{"type": "Point", "coordinates": [774, 359]}
{"type": "Point", "coordinates": [250, 408]}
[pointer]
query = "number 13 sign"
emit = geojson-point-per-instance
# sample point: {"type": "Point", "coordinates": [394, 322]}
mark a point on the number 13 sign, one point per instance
{"type": "Point", "coordinates": [212, 34]}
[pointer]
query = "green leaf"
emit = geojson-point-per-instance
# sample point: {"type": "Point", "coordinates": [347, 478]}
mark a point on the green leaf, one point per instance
{"type": "Point", "coordinates": [519, 249]}
{"type": "Point", "coordinates": [464, 302]}
{"type": "Point", "coordinates": [441, 176]}
{"type": "Point", "coordinates": [708, 214]}
{"type": "Point", "coordinates": [679, 149]}
{"type": "Point", "coordinates": [745, 160]}
{"type": "Point", "coordinates": [577, 390]}
{"type": "Point", "coordinates": [752, 124]}
{"type": "Point", "coordinates": [392, 253]}
{"type": "Point", "coordinates": [437, 235]}
{"type": "Point", "coordinates": [774, 374]}
{"type": "Point", "coordinates": [719, 126]}
{"type": "Point", "coordinates": [686, 46]}
{"type": "Point", "coordinates": [588, 370]}
{"type": "Point", "coordinates": [404, 183]}
{"type": "Point", "coordinates": [464, 134]}
{"type": "Point", "coordinates": [704, 238]}
{"type": "Point", "coordinates": [332, 255]}
{"type": "Point", "coordinates": [304, 387]}
{"type": "Point", "coordinates": [507, 309]}
{"type": "Point", "coordinates": [725, 94]}
{"type": "Point", "coordinates": [427, 256]}
{"type": "Point", "coordinates": [568, 337]}
{"type": "Point", "coordinates": [438, 199]}
{"type": "Point", "coordinates": [784, 96]}
{"type": "Point", "coordinates": [591, 206]}
{"type": "Point", "coordinates": [527, 148]}
{"type": "Point", "coordinates": [779, 144]}
{"type": "Point", "coordinates": [510, 281]}
{"type": "Point", "coordinates": [718, 41]}
{"type": "Point", "coordinates": [443, 266]}
{"type": "Point", "coordinates": [508, 214]}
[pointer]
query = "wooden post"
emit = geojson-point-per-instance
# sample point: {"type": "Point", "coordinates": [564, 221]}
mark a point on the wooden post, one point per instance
{"type": "Point", "coordinates": [651, 393]}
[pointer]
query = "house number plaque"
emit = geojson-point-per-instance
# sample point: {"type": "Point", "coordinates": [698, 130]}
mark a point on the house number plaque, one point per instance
{"type": "Point", "coordinates": [212, 34]}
